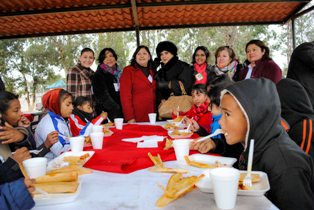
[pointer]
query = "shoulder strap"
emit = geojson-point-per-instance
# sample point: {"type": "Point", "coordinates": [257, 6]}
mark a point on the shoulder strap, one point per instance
{"type": "Point", "coordinates": [182, 88]}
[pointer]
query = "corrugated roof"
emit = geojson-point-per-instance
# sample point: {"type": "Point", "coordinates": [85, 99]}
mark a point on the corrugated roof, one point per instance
{"type": "Point", "coordinates": [52, 17]}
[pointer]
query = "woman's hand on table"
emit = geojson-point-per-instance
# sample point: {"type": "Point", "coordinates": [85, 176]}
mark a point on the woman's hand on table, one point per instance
{"type": "Point", "coordinates": [203, 146]}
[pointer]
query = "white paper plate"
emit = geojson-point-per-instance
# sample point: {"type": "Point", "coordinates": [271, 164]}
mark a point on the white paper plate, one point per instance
{"type": "Point", "coordinates": [212, 159]}
{"type": "Point", "coordinates": [258, 189]}
{"type": "Point", "coordinates": [52, 199]}
{"type": "Point", "coordinates": [59, 163]}
{"type": "Point", "coordinates": [170, 133]}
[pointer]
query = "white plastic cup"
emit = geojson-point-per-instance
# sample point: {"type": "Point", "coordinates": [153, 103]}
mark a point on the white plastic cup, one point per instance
{"type": "Point", "coordinates": [118, 123]}
{"type": "Point", "coordinates": [97, 128]}
{"type": "Point", "coordinates": [181, 149]}
{"type": "Point", "coordinates": [35, 167]}
{"type": "Point", "coordinates": [152, 118]}
{"type": "Point", "coordinates": [225, 183]}
{"type": "Point", "coordinates": [77, 143]}
{"type": "Point", "coordinates": [97, 139]}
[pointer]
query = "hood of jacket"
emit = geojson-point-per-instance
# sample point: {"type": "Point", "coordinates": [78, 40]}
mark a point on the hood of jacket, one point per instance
{"type": "Point", "coordinates": [295, 103]}
{"type": "Point", "coordinates": [259, 101]}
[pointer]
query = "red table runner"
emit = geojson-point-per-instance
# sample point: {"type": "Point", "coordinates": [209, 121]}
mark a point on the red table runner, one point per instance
{"type": "Point", "coordinates": [124, 157]}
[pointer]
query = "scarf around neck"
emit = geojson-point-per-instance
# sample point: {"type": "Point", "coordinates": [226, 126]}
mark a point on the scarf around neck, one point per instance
{"type": "Point", "coordinates": [230, 69]}
{"type": "Point", "coordinates": [86, 117]}
{"type": "Point", "coordinates": [199, 111]}
{"type": "Point", "coordinates": [114, 70]}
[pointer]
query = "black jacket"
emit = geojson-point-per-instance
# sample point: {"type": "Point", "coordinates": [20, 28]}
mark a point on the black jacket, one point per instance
{"type": "Point", "coordinates": [106, 98]}
{"type": "Point", "coordinates": [297, 110]}
{"type": "Point", "coordinates": [175, 71]}
{"type": "Point", "coordinates": [301, 67]}
{"type": "Point", "coordinates": [289, 169]}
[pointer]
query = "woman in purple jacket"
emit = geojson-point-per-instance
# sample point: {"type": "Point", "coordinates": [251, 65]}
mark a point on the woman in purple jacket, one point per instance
{"type": "Point", "coordinates": [258, 63]}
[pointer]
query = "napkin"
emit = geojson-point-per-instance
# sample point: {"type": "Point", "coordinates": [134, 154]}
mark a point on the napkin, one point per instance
{"type": "Point", "coordinates": [144, 138]}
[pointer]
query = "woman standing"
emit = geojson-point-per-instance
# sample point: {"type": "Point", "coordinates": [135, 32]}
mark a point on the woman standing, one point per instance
{"type": "Point", "coordinates": [200, 64]}
{"type": "Point", "coordinates": [79, 77]}
{"type": "Point", "coordinates": [138, 87]}
{"type": "Point", "coordinates": [226, 62]}
{"type": "Point", "coordinates": [106, 84]}
{"type": "Point", "coordinates": [172, 72]}
{"type": "Point", "coordinates": [258, 63]}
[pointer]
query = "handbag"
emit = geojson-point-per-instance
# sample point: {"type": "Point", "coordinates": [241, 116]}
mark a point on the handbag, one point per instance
{"type": "Point", "coordinates": [181, 103]}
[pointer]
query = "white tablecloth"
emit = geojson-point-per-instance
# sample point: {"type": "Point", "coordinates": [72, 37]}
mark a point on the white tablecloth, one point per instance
{"type": "Point", "coordinates": [139, 191]}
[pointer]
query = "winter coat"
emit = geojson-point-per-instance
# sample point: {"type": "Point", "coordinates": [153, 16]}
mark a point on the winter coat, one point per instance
{"type": "Point", "coordinates": [289, 169]}
{"type": "Point", "coordinates": [298, 112]}
{"type": "Point", "coordinates": [107, 99]}
{"type": "Point", "coordinates": [263, 69]}
{"type": "Point", "coordinates": [79, 81]}
{"type": "Point", "coordinates": [53, 122]}
{"type": "Point", "coordinates": [138, 94]}
{"type": "Point", "coordinates": [15, 196]}
{"type": "Point", "coordinates": [175, 71]}
{"type": "Point", "coordinates": [301, 67]}
{"type": "Point", "coordinates": [79, 126]}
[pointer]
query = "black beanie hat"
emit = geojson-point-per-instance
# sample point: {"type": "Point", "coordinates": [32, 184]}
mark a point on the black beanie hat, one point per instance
{"type": "Point", "coordinates": [166, 46]}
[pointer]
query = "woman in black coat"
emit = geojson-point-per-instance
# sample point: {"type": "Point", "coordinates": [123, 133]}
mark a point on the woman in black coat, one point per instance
{"type": "Point", "coordinates": [171, 72]}
{"type": "Point", "coordinates": [106, 84]}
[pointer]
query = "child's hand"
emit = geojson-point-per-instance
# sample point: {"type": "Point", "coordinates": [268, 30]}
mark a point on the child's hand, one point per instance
{"type": "Point", "coordinates": [132, 121]}
{"type": "Point", "coordinates": [24, 122]}
{"type": "Point", "coordinates": [21, 154]}
{"type": "Point", "coordinates": [203, 146]}
{"type": "Point", "coordinates": [51, 139]}
{"type": "Point", "coordinates": [29, 183]}
{"type": "Point", "coordinates": [10, 135]}
{"type": "Point", "coordinates": [194, 125]}
{"type": "Point", "coordinates": [104, 115]}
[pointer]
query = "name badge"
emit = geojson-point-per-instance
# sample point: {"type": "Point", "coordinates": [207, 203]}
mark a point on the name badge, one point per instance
{"type": "Point", "coordinates": [199, 77]}
{"type": "Point", "coordinates": [150, 78]}
{"type": "Point", "coordinates": [116, 87]}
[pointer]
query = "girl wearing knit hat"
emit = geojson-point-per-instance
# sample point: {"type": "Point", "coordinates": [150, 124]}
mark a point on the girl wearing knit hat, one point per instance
{"type": "Point", "coordinates": [171, 72]}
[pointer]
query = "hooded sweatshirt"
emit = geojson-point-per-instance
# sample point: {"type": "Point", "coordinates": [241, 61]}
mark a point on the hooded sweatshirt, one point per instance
{"type": "Point", "coordinates": [301, 67]}
{"type": "Point", "coordinates": [297, 110]}
{"type": "Point", "coordinates": [289, 169]}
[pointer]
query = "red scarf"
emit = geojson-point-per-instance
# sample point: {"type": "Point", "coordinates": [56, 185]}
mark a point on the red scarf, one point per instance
{"type": "Point", "coordinates": [51, 101]}
{"type": "Point", "coordinates": [200, 69]}
{"type": "Point", "coordinates": [197, 112]}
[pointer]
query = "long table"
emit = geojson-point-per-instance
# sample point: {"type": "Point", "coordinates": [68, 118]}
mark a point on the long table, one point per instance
{"type": "Point", "coordinates": [139, 190]}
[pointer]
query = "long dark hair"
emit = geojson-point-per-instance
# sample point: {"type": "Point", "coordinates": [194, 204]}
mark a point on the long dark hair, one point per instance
{"type": "Point", "coordinates": [133, 60]}
{"type": "Point", "coordinates": [102, 54]}
{"type": "Point", "coordinates": [204, 49]}
{"type": "Point", "coordinates": [81, 100]}
{"type": "Point", "coordinates": [261, 45]}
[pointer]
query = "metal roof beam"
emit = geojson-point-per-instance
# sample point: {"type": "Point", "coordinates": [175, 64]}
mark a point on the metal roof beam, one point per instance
{"type": "Point", "coordinates": [63, 10]}
{"type": "Point", "coordinates": [178, 3]}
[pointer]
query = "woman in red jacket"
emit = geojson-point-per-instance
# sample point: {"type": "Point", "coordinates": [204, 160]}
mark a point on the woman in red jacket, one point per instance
{"type": "Point", "coordinates": [138, 87]}
{"type": "Point", "coordinates": [258, 63]}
